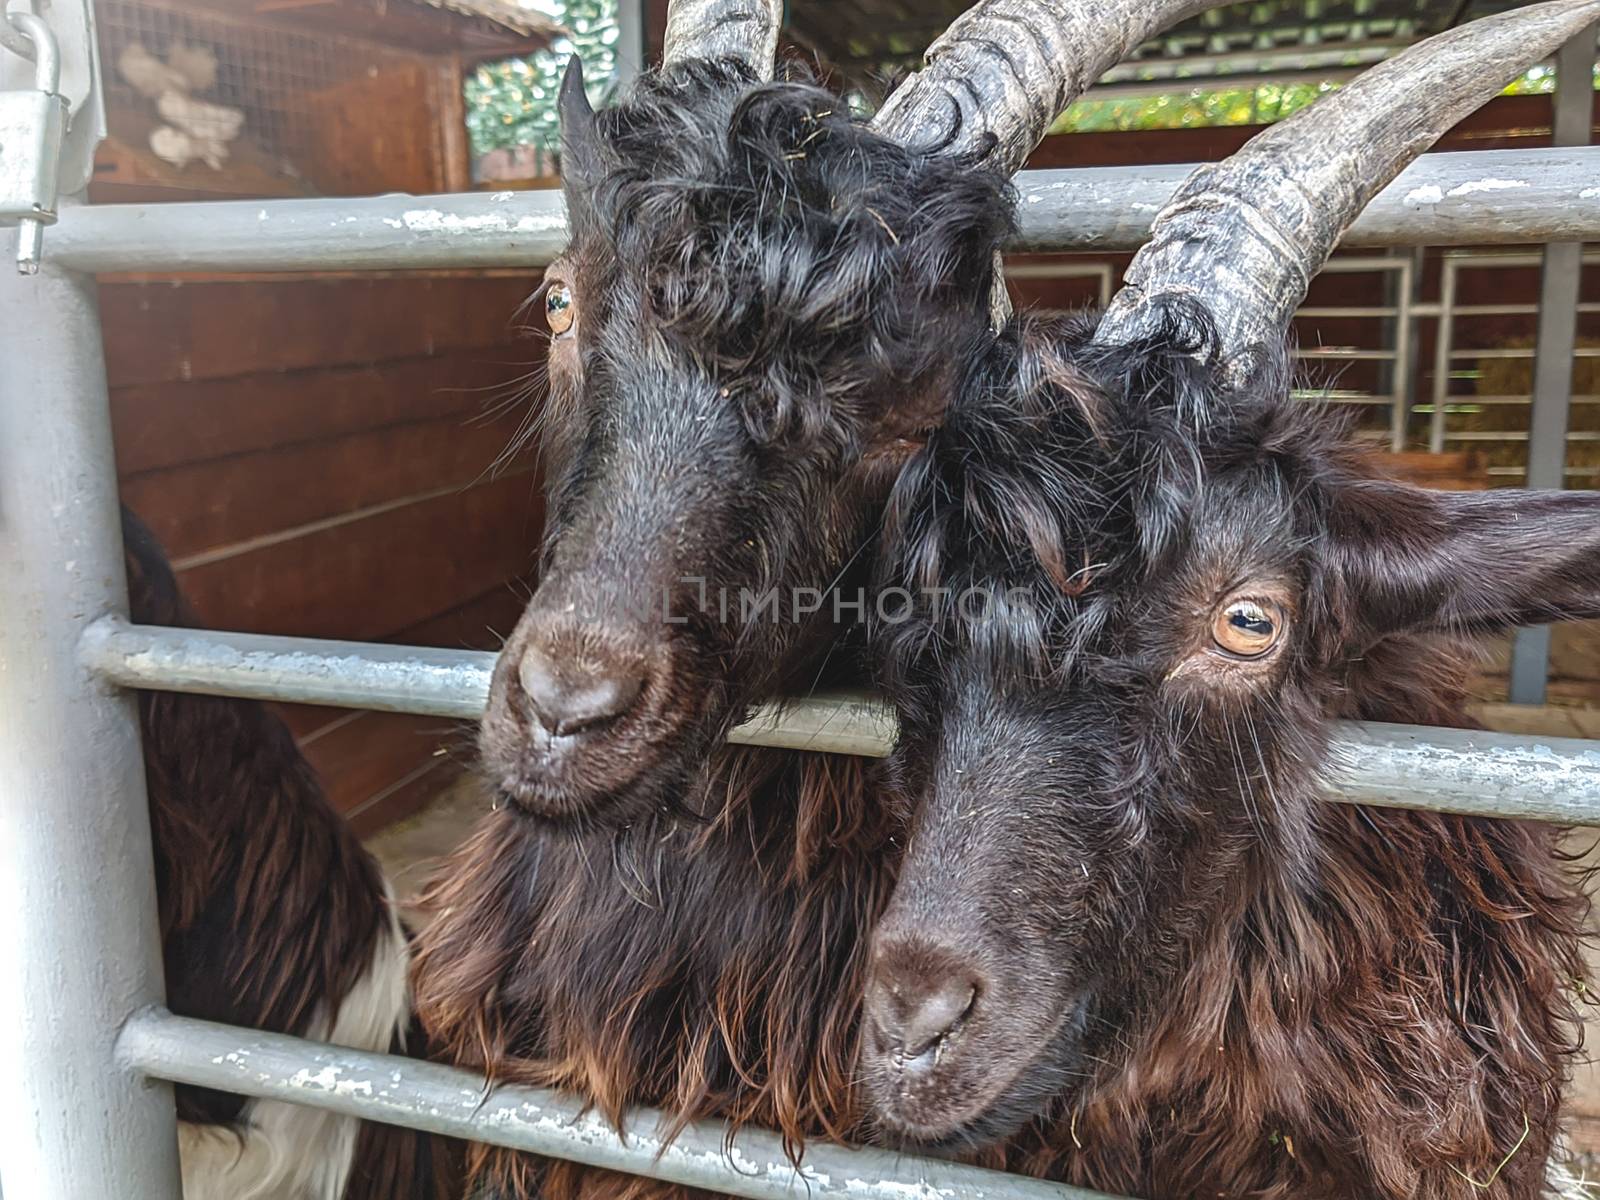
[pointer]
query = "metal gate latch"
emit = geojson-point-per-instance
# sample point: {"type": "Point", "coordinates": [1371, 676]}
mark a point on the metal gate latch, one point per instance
{"type": "Point", "coordinates": [32, 124]}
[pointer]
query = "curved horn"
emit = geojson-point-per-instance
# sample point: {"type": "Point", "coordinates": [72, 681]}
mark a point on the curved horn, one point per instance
{"type": "Point", "coordinates": [1244, 236]}
{"type": "Point", "coordinates": [1011, 67]}
{"type": "Point", "coordinates": [746, 30]}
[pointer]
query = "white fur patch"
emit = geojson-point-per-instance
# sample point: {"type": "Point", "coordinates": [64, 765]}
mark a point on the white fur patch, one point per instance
{"type": "Point", "coordinates": [287, 1151]}
{"type": "Point", "coordinates": [1564, 1185]}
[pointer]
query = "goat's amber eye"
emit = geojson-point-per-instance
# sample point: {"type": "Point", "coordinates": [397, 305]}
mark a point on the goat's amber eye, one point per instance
{"type": "Point", "coordinates": [558, 309]}
{"type": "Point", "coordinates": [1248, 628]}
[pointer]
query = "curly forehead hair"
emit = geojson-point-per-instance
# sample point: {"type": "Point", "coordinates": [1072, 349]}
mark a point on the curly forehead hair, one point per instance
{"type": "Point", "coordinates": [1063, 467]}
{"type": "Point", "coordinates": [782, 241]}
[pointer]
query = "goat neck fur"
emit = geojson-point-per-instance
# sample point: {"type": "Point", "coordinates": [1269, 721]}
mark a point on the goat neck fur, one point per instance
{"type": "Point", "coordinates": [273, 917]}
{"type": "Point", "coordinates": [1201, 978]}
{"type": "Point", "coordinates": [706, 960]}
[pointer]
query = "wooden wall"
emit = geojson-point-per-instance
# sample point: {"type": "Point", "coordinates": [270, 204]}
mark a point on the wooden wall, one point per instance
{"type": "Point", "coordinates": [319, 455]}
{"type": "Point", "coordinates": [322, 455]}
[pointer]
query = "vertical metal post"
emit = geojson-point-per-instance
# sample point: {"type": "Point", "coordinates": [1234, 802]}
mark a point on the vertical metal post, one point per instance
{"type": "Point", "coordinates": [1400, 330]}
{"type": "Point", "coordinates": [630, 41]}
{"type": "Point", "coordinates": [1558, 332]}
{"type": "Point", "coordinates": [79, 945]}
{"type": "Point", "coordinates": [1441, 352]}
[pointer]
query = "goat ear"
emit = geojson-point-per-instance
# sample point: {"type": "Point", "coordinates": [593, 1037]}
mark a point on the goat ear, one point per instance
{"type": "Point", "coordinates": [580, 144]}
{"type": "Point", "coordinates": [1407, 558]}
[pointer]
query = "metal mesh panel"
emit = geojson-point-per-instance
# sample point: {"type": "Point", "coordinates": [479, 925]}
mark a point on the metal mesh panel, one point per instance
{"type": "Point", "coordinates": [277, 77]}
{"type": "Point", "coordinates": [1483, 369]}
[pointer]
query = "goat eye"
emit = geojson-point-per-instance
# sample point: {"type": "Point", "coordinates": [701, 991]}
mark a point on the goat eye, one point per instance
{"type": "Point", "coordinates": [558, 309]}
{"type": "Point", "coordinates": [1248, 628]}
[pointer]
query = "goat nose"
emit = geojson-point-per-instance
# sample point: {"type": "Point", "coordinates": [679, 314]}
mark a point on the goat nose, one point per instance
{"type": "Point", "coordinates": [568, 697]}
{"type": "Point", "coordinates": [916, 1002]}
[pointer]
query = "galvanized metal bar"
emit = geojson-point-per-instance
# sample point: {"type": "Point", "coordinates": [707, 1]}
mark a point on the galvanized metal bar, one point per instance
{"type": "Point", "coordinates": [406, 679]}
{"type": "Point", "coordinates": [1447, 310]}
{"type": "Point", "coordinates": [1487, 197]}
{"type": "Point", "coordinates": [1526, 258]}
{"type": "Point", "coordinates": [1466, 771]}
{"type": "Point", "coordinates": [1529, 678]}
{"type": "Point", "coordinates": [1554, 779]}
{"type": "Point", "coordinates": [79, 945]}
{"type": "Point", "coordinates": [1398, 273]}
{"type": "Point", "coordinates": [630, 44]}
{"type": "Point", "coordinates": [1558, 337]}
{"type": "Point", "coordinates": [410, 679]}
{"type": "Point", "coordinates": [455, 1103]}
{"type": "Point", "coordinates": [1481, 197]}
{"type": "Point", "coordinates": [1402, 287]}
{"type": "Point", "coordinates": [838, 722]}
{"type": "Point", "coordinates": [1443, 345]}
{"type": "Point", "coordinates": [379, 233]}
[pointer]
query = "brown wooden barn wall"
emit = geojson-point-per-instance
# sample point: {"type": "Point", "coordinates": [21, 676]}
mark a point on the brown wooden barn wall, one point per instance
{"type": "Point", "coordinates": [319, 454]}
{"type": "Point", "coordinates": [320, 458]}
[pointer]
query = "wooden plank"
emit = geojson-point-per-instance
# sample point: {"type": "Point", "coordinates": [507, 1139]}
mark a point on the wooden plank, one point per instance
{"type": "Point", "coordinates": [312, 720]}
{"type": "Point", "coordinates": [1458, 471]}
{"type": "Point", "coordinates": [480, 623]}
{"type": "Point", "coordinates": [455, 150]}
{"type": "Point", "coordinates": [164, 425]}
{"type": "Point", "coordinates": [371, 133]}
{"type": "Point", "coordinates": [411, 25]}
{"type": "Point", "coordinates": [188, 331]}
{"type": "Point", "coordinates": [406, 797]}
{"type": "Point", "coordinates": [361, 758]}
{"type": "Point", "coordinates": [220, 502]}
{"type": "Point", "coordinates": [125, 167]}
{"type": "Point", "coordinates": [372, 577]}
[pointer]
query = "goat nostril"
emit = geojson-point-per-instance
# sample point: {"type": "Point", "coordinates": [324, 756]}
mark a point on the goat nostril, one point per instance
{"type": "Point", "coordinates": [915, 1013]}
{"type": "Point", "coordinates": [567, 698]}
{"type": "Point", "coordinates": [934, 1016]}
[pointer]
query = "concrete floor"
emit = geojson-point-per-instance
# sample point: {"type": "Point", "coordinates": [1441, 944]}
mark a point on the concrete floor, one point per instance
{"type": "Point", "coordinates": [410, 850]}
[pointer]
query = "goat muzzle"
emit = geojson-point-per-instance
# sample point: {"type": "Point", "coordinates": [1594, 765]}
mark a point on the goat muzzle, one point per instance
{"type": "Point", "coordinates": [578, 712]}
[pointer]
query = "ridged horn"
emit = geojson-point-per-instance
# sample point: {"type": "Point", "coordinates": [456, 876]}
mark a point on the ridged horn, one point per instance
{"type": "Point", "coordinates": [1011, 67]}
{"type": "Point", "coordinates": [1244, 237]}
{"type": "Point", "coordinates": [746, 30]}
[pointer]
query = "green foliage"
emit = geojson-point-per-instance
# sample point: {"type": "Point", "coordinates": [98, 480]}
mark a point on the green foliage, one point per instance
{"type": "Point", "coordinates": [1541, 80]}
{"type": "Point", "coordinates": [513, 103]}
{"type": "Point", "coordinates": [1205, 107]}
{"type": "Point", "coordinates": [1199, 108]}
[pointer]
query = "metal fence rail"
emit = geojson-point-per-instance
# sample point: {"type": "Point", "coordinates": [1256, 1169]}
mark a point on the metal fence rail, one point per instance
{"type": "Point", "coordinates": [456, 1103]}
{"type": "Point", "coordinates": [1485, 197]}
{"type": "Point", "coordinates": [1403, 766]}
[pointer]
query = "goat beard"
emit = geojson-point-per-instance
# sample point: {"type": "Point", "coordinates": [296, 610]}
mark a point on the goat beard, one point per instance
{"type": "Point", "coordinates": [709, 959]}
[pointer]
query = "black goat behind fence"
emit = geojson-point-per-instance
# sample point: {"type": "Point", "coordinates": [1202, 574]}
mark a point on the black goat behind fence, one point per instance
{"type": "Point", "coordinates": [274, 917]}
{"type": "Point", "coordinates": [768, 314]}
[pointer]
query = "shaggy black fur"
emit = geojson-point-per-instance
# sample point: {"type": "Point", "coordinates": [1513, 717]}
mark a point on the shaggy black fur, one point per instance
{"type": "Point", "coordinates": [271, 909]}
{"type": "Point", "coordinates": [770, 306]}
{"type": "Point", "coordinates": [1183, 959]}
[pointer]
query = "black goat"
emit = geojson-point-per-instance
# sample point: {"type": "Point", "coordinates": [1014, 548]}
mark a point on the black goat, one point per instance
{"type": "Point", "coordinates": [273, 916]}
{"type": "Point", "coordinates": [1129, 939]}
